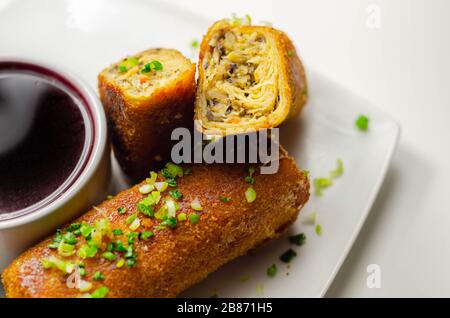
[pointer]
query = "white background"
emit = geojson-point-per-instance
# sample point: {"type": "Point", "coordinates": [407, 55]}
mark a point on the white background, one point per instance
{"type": "Point", "coordinates": [404, 68]}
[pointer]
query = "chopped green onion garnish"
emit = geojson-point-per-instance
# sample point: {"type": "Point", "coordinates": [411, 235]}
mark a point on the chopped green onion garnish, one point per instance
{"type": "Point", "coordinates": [172, 182]}
{"type": "Point", "coordinates": [152, 66]}
{"type": "Point", "coordinates": [117, 232]}
{"type": "Point", "coordinates": [73, 227]}
{"type": "Point", "coordinates": [195, 205]}
{"type": "Point", "coordinates": [70, 238]}
{"type": "Point", "coordinates": [288, 256]}
{"type": "Point", "coordinates": [194, 218]}
{"type": "Point", "coordinates": [131, 262]}
{"type": "Point", "coordinates": [182, 217]}
{"type": "Point", "coordinates": [272, 270]}
{"type": "Point", "coordinates": [54, 262]}
{"type": "Point", "coordinates": [131, 218]}
{"type": "Point", "coordinates": [128, 63]}
{"type": "Point", "coordinates": [84, 286]}
{"type": "Point", "coordinates": [65, 249]}
{"type": "Point", "coordinates": [362, 122]}
{"type": "Point", "coordinates": [87, 250]}
{"type": "Point", "coordinates": [194, 44]}
{"type": "Point", "coordinates": [145, 209]}
{"type": "Point", "coordinates": [176, 194]}
{"type": "Point", "coordinates": [172, 207]}
{"type": "Point", "coordinates": [119, 247]}
{"type": "Point", "coordinates": [100, 292]}
{"type": "Point", "coordinates": [320, 184]}
{"type": "Point", "coordinates": [146, 235]}
{"type": "Point", "coordinates": [120, 263]}
{"type": "Point", "coordinates": [250, 180]}
{"type": "Point", "coordinates": [146, 188]}
{"type": "Point", "coordinates": [318, 229]}
{"type": "Point", "coordinates": [135, 224]}
{"type": "Point", "coordinates": [82, 271]}
{"type": "Point", "coordinates": [153, 177]}
{"type": "Point", "coordinates": [249, 19]}
{"type": "Point", "coordinates": [109, 197]}
{"type": "Point", "coordinates": [225, 199]}
{"type": "Point", "coordinates": [174, 170]}
{"type": "Point", "coordinates": [132, 236]}
{"type": "Point", "coordinates": [338, 171]}
{"type": "Point", "coordinates": [122, 210]}
{"type": "Point", "coordinates": [250, 195]}
{"type": "Point", "coordinates": [298, 239]}
{"type": "Point", "coordinates": [169, 221]}
{"type": "Point", "coordinates": [109, 256]}
{"type": "Point", "coordinates": [161, 186]}
{"type": "Point", "coordinates": [86, 229]}
{"type": "Point", "coordinates": [98, 276]}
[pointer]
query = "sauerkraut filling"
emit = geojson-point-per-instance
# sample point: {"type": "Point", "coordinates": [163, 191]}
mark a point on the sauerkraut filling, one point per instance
{"type": "Point", "coordinates": [241, 83]}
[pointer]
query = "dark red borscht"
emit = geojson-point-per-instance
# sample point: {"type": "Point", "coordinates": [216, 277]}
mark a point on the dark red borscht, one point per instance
{"type": "Point", "coordinates": [42, 137]}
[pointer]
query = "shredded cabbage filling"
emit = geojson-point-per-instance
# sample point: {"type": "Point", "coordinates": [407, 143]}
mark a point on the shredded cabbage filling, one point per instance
{"type": "Point", "coordinates": [241, 82]}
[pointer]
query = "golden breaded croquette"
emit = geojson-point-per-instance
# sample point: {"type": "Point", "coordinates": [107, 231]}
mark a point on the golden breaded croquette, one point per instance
{"type": "Point", "coordinates": [145, 97]}
{"type": "Point", "coordinates": [215, 223]}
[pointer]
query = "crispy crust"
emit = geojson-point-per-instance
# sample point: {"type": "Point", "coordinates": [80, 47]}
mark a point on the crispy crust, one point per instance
{"type": "Point", "coordinates": [140, 128]}
{"type": "Point", "coordinates": [175, 259]}
{"type": "Point", "coordinates": [295, 87]}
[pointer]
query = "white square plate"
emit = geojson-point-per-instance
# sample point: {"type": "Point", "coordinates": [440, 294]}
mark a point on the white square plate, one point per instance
{"type": "Point", "coordinates": [84, 36]}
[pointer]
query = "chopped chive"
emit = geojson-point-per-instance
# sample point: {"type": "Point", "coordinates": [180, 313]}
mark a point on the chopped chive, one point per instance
{"type": "Point", "coordinates": [117, 232]}
{"type": "Point", "coordinates": [338, 171]}
{"type": "Point", "coordinates": [320, 184]}
{"type": "Point", "coordinates": [172, 182]}
{"type": "Point", "coordinates": [119, 247]}
{"type": "Point", "coordinates": [132, 236]}
{"type": "Point", "coordinates": [288, 256]}
{"type": "Point", "coordinates": [146, 235]}
{"type": "Point", "coordinates": [122, 210]}
{"type": "Point", "coordinates": [120, 263]}
{"type": "Point", "coordinates": [250, 180]}
{"type": "Point", "coordinates": [170, 222]}
{"type": "Point", "coordinates": [298, 239]}
{"type": "Point", "coordinates": [98, 276]}
{"type": "Point", "coordinates": [131, 262]}
{"type": "Point", "coordinates": [194, 218]}
{"type": "Point", "coordinates": [131, 218]}
{"type": "Point", "coordinates": [272, 270]}
{"type": "Point", "coordinates": [182, 217]}
{"type": "Point", "coordinates": [109, 256]}
{"type": "Point", "coordinates": [194, 44]}
{"type": "Point", "coordinates": [70, 238]}
{"type": "Point", "coordinates": [362, 123]}
{"type": "Point", "coordinates": [176, 194]}
{"type": "Point", "coordinates": [100, 292]}
{"type": "Point", "coordinates": [225, 199]}
{"type": "Point", "coordinates": [82, 271]}
{"type": "Point", "coordinates": [318, 229]}
{"type": "Point", "coordinates": [250, 195]}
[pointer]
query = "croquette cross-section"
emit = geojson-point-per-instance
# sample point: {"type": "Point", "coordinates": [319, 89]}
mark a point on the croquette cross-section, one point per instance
{"type": "Point", "coordinates": [163, 235]}
{"type": "Point", "coordinates": [250, 78]}
{"type": "Point", "coordinates": [145, 97]}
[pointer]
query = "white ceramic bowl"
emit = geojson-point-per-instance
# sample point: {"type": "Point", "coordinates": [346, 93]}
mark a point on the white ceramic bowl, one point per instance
{"type": "Point", "coordinates": [87, 184]}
